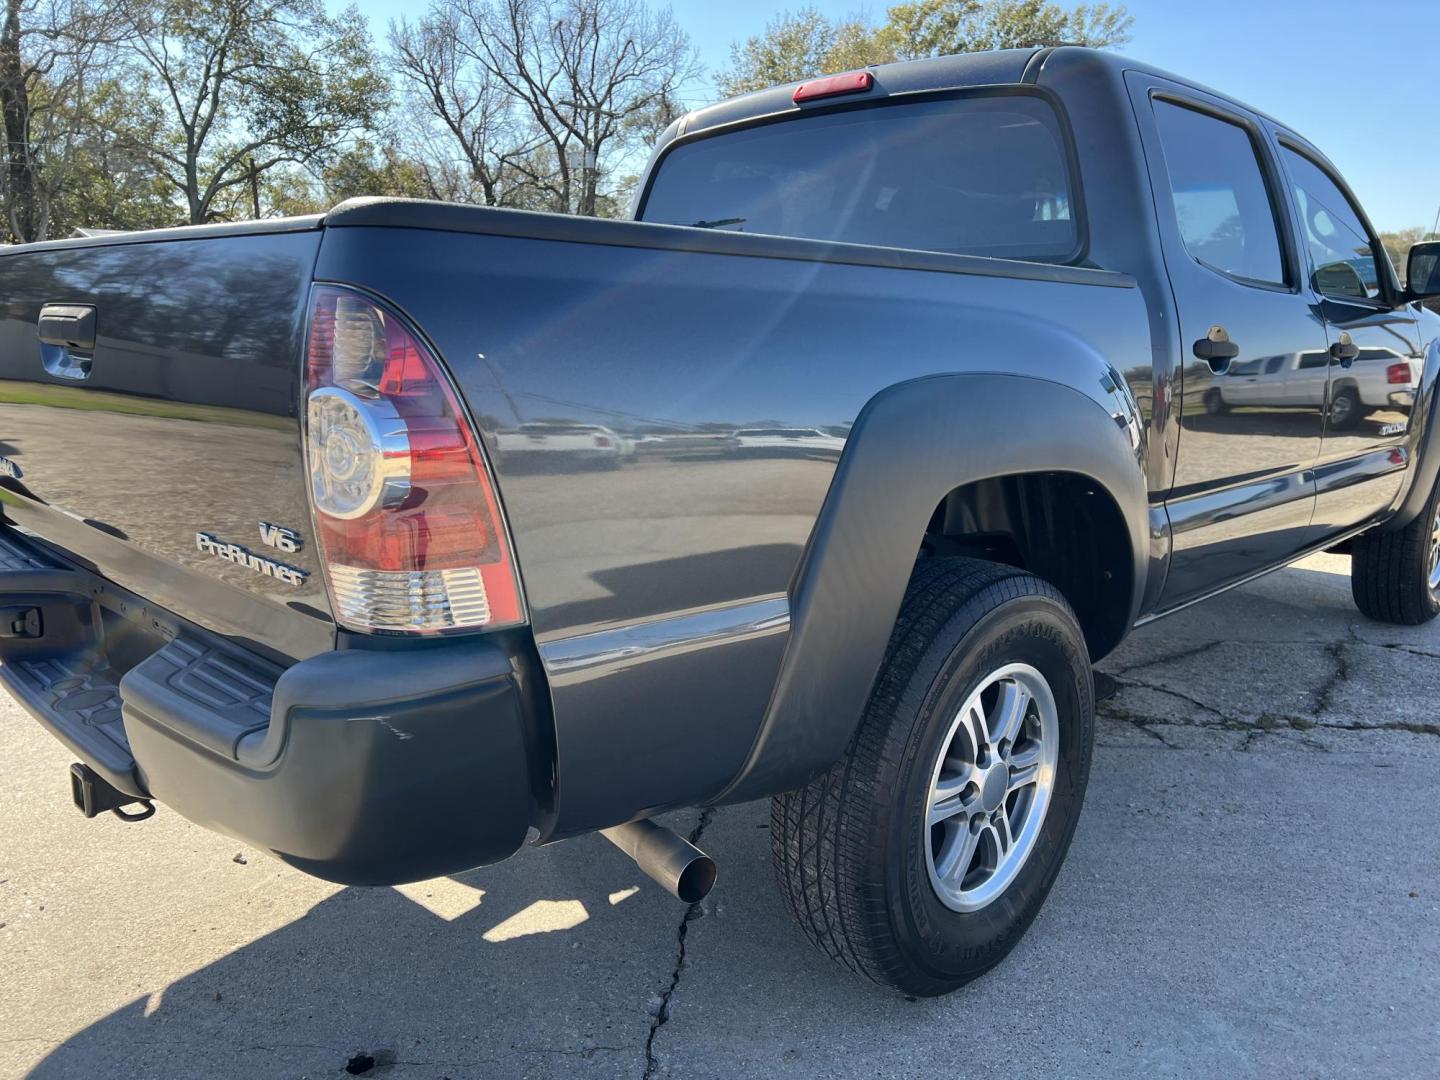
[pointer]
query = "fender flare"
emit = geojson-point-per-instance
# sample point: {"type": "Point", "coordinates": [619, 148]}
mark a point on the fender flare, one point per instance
{"type": "Point", "coordinates": [911, 445]}
{"type": "Point", "coordinates": [1426, 466]}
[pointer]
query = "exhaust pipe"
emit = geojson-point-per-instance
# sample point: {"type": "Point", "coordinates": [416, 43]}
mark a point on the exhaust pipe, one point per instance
{"type": "Point", "coordinates": [686, 872]}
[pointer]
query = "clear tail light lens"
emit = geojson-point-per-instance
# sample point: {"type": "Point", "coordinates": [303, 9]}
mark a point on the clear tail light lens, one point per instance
{"type": "Point", "coordinates": [406, 516]}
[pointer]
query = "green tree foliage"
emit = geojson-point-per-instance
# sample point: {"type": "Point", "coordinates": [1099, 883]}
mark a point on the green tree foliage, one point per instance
{"type": "Point", "coordinates": [107, 183]}
{"type": "Point", "coordinates": [1398, 244]}
{"type": "Point", "coordinates": [233, 89]}
{"type": "Point", "coordinates": [365, 169]}
{"type": "Point", "coordinates": [798, 45]}
{"type": "Point", "coordinates": [944, 27]}
{"type": "Point", "coordinates": [139, 113]}
{"type": "Point", "coordinates": [50, 53]}
{"type": "Point", "coordinates": [806, 43]}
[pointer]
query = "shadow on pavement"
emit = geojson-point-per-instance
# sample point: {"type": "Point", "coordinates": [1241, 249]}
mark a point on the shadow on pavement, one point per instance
{"type": "Point", "coordinates": [534, 967]}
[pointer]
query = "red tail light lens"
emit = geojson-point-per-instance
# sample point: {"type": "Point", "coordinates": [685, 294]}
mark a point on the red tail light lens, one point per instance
{"type": "Point", "coordinates": [405, 512]}
{"type": "Point", "coordinates": [1397, 374]}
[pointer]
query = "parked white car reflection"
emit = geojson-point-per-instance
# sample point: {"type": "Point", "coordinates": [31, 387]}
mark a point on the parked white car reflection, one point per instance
{"type": "Point", "coordinates": [1379, 378]}
{"type": "Point", "coordinates": [777, 441]}
{"type": "Point", "coordinates": [548, 445]}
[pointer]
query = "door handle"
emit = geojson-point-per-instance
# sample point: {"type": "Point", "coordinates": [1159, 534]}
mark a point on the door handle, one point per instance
{"type": "Point", "coordinates": [69, 325]}
{"type": "Point", "coordinates": [1345, 351]}
{"type": "Point", "coordinates": [67, 339]}
{"type": "Point", "coordinates": [1216, 349]}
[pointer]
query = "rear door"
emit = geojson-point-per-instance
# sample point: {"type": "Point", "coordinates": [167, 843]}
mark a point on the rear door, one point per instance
{"type": "Point", "coordinates": [1374, 354]}
{"type": "Point", "coordinates": [1243, 488]}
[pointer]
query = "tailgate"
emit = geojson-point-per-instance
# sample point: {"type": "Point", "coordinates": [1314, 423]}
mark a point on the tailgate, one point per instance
{"type": "Point", "coordinates": [148, 421]}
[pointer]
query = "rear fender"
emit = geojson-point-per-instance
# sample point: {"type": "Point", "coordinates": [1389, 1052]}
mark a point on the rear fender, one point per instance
{"type": "Point", "coordinates": [913, 444]}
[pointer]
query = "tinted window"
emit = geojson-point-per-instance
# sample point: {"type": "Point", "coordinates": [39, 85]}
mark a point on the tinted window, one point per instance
{"type": "Point", "coordinates": [982, 176]}
{"type": "Point", "coordinates": [1224, 210]}
{"type": "Point", "coordinates": [1344, 256]}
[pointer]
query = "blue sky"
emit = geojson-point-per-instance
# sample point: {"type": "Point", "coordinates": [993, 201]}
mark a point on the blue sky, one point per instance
{"type": "Point", "coordinates": [1356, 77]}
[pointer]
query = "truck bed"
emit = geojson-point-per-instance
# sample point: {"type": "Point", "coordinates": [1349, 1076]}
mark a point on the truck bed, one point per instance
{"type": "Point", "coordinates": [656, 571]}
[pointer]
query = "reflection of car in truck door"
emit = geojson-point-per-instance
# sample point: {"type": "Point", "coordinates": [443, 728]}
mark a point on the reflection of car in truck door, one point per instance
{"type": "Point", "coordinates": [1312, 377]}
{"type": "Point", "coordinates": [1250, 383]}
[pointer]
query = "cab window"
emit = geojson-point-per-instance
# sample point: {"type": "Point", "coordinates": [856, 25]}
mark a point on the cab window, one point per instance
{"type": "Point", "coordinates": [974, 175]}
{"type": "Point", "coordinates": [1346, 259]}
{"type": "Point", "coordinates": [1221, 201]}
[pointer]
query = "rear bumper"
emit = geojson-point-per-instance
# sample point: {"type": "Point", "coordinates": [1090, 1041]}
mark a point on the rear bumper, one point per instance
{"type": "Point", "coordinates": [362, 766]}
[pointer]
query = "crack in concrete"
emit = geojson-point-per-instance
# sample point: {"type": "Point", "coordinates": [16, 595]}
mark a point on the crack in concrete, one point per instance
{"type": "Point", "coordinates": [1268, 724]}
{"type": "Point", "coordinates": [1339, 675]}
{"type": "Point", "coordinates": [1265, 723]}
{"type": "Point", "coordinates": [1198, 650]}
{"type": "Point", "coordinates": [1139, 721]}
{"type": "Point", "coordinates": [1175, 694]}
{"type": "Point", "coordinates": [1399, 646]}
{"type": "Point", "coordinates": [1169, 658]}
{"type": "Point", "coordinates": [694, 911]}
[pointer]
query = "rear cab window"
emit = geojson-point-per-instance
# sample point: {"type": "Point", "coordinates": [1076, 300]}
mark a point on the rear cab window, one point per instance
{"type": "Point", "coordinates": [1222, 204]}
{"type": "Point", "coordinates": [972, 175]}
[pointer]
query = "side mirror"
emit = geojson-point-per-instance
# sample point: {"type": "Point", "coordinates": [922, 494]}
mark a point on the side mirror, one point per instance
{"type": "Point", "coordinates": [1340, 279]}
{"type": "Point", "coordinates": [1422, 271]}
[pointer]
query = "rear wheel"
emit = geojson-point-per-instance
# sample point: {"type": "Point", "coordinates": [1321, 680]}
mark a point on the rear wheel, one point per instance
{"type": "Point", "coordinates": [1395, 576]}
{"type": "Point", "coordinates": [1215, 402]}
{"type": "Point", "coordinates": [921, 858]}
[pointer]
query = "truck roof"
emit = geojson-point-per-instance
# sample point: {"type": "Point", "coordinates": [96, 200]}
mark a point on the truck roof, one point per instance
{"type": "Point", "coordinates": [966, 69]}
{"type": "Point", "coordinates": [937, 73]}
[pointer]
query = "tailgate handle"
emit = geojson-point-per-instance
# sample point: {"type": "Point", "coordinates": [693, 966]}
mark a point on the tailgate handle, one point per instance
{"type": "Point", "coordinates": [71, 326]}
{"type": "Point", "coordinates": [67, 339]}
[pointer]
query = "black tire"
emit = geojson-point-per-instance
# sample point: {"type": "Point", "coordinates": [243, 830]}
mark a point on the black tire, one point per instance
{"type": "Point", "coordinates": [1215, 402]}
{"type": "Point", "coordinates": [848, 848]}
{"type": "Point", "coordinates": [1346, 410]}
{"type": "Point", "coordinates": [1390, 571]}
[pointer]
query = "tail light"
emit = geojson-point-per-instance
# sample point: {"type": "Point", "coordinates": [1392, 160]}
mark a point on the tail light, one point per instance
{"type": "Point", "coordinates": [406, 515]}
{"type": "Point", "coordinates": [1397, 374]}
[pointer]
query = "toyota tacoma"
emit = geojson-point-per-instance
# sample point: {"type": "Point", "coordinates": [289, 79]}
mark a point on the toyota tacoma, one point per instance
{"type": "Point", "coordinates": [900, 382]}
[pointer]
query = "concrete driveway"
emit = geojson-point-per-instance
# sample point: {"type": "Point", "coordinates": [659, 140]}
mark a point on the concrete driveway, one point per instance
{"type": "Point", "coordinates": [1254, 890]}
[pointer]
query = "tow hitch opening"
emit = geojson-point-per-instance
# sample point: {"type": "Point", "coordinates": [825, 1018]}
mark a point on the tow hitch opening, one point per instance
{"type": "Point", "coordinates": [93, 795]}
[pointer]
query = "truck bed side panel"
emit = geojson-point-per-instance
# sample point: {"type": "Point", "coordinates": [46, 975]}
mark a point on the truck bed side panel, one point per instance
{"type": "Point", "coordinates": [660, 574]}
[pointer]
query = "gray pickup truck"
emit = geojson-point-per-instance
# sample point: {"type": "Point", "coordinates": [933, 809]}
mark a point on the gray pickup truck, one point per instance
{"type": "Point", "coordinates": [394, 539]}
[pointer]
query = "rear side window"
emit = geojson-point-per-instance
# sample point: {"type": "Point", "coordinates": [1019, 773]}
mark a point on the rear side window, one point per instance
{"type": "Point", "coordinates": [1221, 202]}
{"type": "Point", "coordinates": [971, 175]}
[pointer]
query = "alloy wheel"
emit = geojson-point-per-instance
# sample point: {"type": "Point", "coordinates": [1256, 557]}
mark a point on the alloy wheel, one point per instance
{"type": "Point", "coordinates": [1435, 553]}
{"type": "Point", "coordinates": [990, 787]}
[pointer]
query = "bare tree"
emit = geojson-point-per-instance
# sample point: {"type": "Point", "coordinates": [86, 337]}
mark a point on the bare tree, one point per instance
{"type": "Point", "coordinates": [236, 88]}
{"type": "Point", "coordinates": [49, 50]}
{"type": "Point", "coordinates": [582, 70]}
{"type": "Point", "coordinates": [444, 84]}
